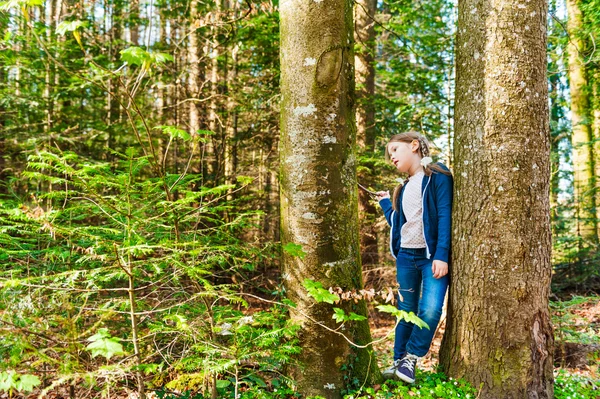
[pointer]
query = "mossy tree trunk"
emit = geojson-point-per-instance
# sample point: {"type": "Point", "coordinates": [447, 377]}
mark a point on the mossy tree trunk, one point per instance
{"type": "Point", "coordinates": [364, 36]}
{"type": "Point", "coordinates": [318, 189]}
{"type": "Point", "coordinates": [498, 330]}
{"type": "Point", "coordinates": [582, 139]}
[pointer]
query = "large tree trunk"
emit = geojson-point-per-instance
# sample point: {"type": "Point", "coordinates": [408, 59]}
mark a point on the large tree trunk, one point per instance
{"type": "Point", "coordinates": [583, 160]}
{"type": "Point", "coordinates": [498, 330]}
{"type": "Point", "coordinates": [364, 35]}
{"type": "Point", "coordinates": [318, 188]}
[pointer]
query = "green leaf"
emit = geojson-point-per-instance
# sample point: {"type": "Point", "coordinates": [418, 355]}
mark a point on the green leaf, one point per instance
{"type": "Point", "coordinates": [27, 382]}
{"type": "Point", "coordinates": [8, 380]}
{"type": "Point", "coordinates": [289, 303]}
{"type": "Point", "coordinates": [138, 56]}
{"type": "Point", "coordinates": [105, 345]}
{"type": "Point", "coordinates": [315, 289]}
{"type": "Point", "coordinates": [69, 26]}
{"type": "Point", "coordinates": [175, 132]}
{"type": "Point", "coordinates": [339, 315]}
{"type": "Point", "coordinates": [294, 250]}
{"type": "Point", "coordinates": [222, 384]}
{"type": "Point", "coordinates": [356, 317]}
{"type": "Point", "coordinates": [403, 315]}
{"type": "Point", "coordinates": [135, 55]}
{"type": "Point", "coordinates": [101, 334]}
{"type": "Point", "coordinates": [244, 180]}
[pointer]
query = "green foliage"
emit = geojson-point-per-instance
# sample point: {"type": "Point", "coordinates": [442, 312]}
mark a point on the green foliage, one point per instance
{"type": "Point", "coordinates": [567, 386]}
{"type": "Point", "coordinates": [572, 327]}
{"type": "Point", "coordinates": [315, 289]}
{"type": "Point", "coordinates": [116, 231]}
{"type": "Point", "coordinates": [340, 316]}
{"type": "Point", "coordinates": [138, 56]}
{"type": "Point", "coordinates": [103, 344]}
{"type": "Point", "coordinates": [294, 250]}
{"type": "Point", "coordinates": [10, 381]}
{"type": "Point", "coordinates": [7, 5]}
{"type": "Point", "coordinates": [403, 315]}
{"type": "Point", "coordinates": [428, 385]}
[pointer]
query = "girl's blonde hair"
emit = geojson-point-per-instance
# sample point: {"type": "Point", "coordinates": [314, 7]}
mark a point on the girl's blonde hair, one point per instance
{"type": "Point", "coordinates": [409, 137]}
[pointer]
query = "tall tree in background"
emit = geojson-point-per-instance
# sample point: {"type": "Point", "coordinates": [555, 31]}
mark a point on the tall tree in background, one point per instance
{"type": "Point", "coordinates": [581, 118]}
{"type": "Point", "coordinates": [194, 69]}
{"type": "Point", "coordinates": [498, 332]}
{"type": "Point", "coordinates": [364, 36]}
{"type": "Point", "coordinates": [318, 188]}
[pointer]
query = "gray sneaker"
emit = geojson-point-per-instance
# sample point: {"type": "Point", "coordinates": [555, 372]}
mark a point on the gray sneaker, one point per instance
{"type": "Point", "coordinates": [390, 373]}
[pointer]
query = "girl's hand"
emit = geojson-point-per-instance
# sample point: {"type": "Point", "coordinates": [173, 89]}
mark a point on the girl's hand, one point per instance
{"type": "Point", "coordinates": [382, 194]}
{"type": "Point", "coordinates": [439, 268]}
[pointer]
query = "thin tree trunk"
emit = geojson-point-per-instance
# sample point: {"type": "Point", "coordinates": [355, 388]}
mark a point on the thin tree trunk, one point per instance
{"type": "Point", "coordinates": [49, 14]}
{"type": "Point", "coordinates": [229, 142]}
{"type": "Point", "coordinates": [554, 94]}
{"type": "Point", "coordinates": [583, 161]}
{"type": "Point", "coordinates": [213, 123]}
{"type": "Point", "coordinates": [364, 36]}
{"type": "Point", "coordinates": [318, 189]}
{"type": "Point", "coordinates": [194, 69]}
{"type": "Point", "coordinates": [498, 334]}
{"type": "Point", "coordinates": [134, 21]}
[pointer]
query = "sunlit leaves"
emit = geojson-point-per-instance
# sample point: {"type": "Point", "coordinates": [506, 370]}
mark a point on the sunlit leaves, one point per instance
{"type": "Point", "coordinates": [403, 315]}
{"type": "Point", "coordinates": [294, 250]}
{"type": "Point", "coordinates": [71, 26]}
{"type": "Point", "coordinates": [138, 56]}
{"type": "Point", "coordinates": [7, 5]}
{"type": "Point", "coordinates": [315, 289]}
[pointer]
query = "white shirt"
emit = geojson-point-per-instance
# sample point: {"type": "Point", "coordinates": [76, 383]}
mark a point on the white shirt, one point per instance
{"type": "Point", "coordinates": [412, 206]}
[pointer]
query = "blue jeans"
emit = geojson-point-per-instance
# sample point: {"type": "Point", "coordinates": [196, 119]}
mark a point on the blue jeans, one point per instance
{"type": "Point", "coordinates": [421, 294]}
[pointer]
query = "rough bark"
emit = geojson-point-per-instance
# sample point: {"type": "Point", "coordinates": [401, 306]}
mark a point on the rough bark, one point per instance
{"type": "Point", "coordinates": [498, 332]}
{"type": "Point", "coordinates": [318, 188]}
{"type": "Point", "coordinates": [583, 161]}
{"type": "Point", "coordinates": [596, 148]}
{"type": "Point", "coordinates": [364, 36]}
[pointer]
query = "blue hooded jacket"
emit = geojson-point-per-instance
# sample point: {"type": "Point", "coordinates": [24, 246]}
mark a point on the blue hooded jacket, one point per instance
{"type": "Point", "coordinates": [437, 216]}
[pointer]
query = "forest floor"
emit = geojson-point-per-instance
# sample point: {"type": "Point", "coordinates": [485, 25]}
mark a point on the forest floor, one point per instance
{"type": "Point", "coordinates": [576, 323]}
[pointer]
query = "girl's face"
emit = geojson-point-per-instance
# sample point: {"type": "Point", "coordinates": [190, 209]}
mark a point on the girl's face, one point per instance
{"type": "Point", "coordinates": [403, 155]}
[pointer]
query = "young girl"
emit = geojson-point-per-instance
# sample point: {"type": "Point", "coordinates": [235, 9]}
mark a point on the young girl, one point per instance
{"type": "Point", "coordinates": [420, 218]}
